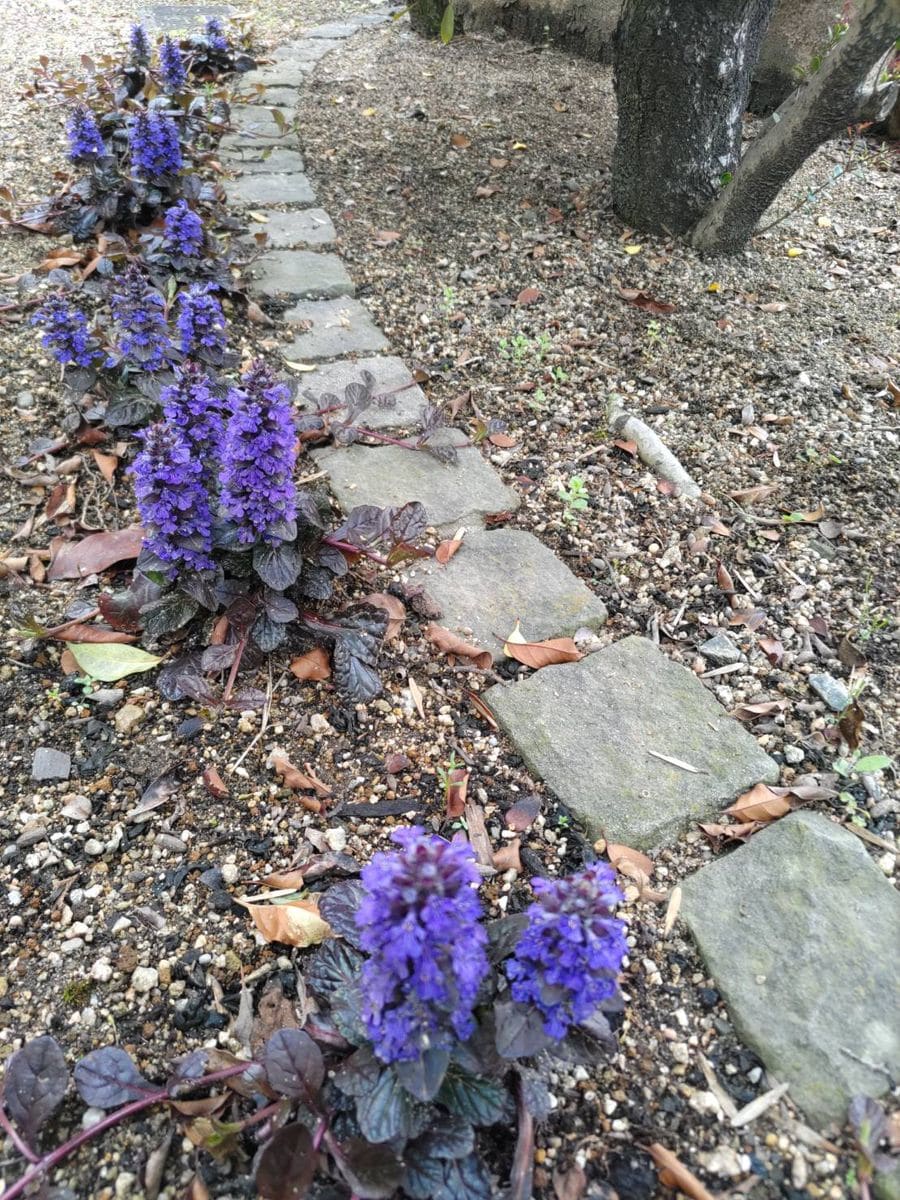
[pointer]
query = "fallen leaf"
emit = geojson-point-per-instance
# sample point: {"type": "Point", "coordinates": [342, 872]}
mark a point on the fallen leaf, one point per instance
{"type": "Point", "coordinates": [74, 560]}
{"type": "Point", "coordinates": [569, 1185]}
{"type": "Point", "coordinates": [759, 804]}
{"type": "Point", "coordinates": [256, 316]}
{"type": "Point", "coordinates": [731, 833]}
{"type": "Point", "coordinates": [752, 618]}
{"type": "Point", "coordinates": [794, 252]}
{"type": "Point", "coordinates": [711, 521]}
{"type": "Point", "coordinates": [773, 306]}
{"type": "Point", "coordinates": [540, 654]}
{"type": "Point", "coordinates": [290, 881]}
{"type": "Point", "coordinates": [644, 300]}
{"type": "Point", "coordinates": [507, 857]}
{"type": "Point", "coordinates": [460, 141]}
{"type": "Point", "coordinates": [416, 692]}
{"type": "Point", "coordinates": [753, 495]}
{"type": "Point", "coordinates": [633, 249]}
{"type": "Point", "coordinates": [674, 1174]}
{"type": "Point", "coordinates": [107, 464]}
{"type": "Point", "coordinates": [522, 815]}
{"type": "Point", "coordinates": [763, 708]}
{"type": "Point", "coordinates": [628, 447]}
{"type": "Point", "coordinates": [528, 296]}
{"type": "Point", "coordinates": [485, 191]}
{"type": "Point", "coordinates": [397, 762]}
{"type": "Point", "coordinates": [394, 608]}
{"type": "Point", "coordinates": [481, 708]}
{"type": "Point", "coordinates": [503, 440]}
{"type": "Point", "coordinates": [214, 783]}
{"type": "Point", "coordinates": [850, 724]}
{"type": "Point", "coordinates": [94, 633]}
{"type": "Point", "coordinates": [672, 911]}
{"type": "Point", "coordinates": [67, 663]}
{"type": "Point", "coordinates": [299, 366]}
{"type": "Point", "coordinates": [296, 780]}
{"type": "Point", "coordinates": [293, 923]}
{"type": "Point", "coordinates": [314, 665]}
{"type": "Point", "coordinates": [457, 787]}
{"type": "Point", "coordinates": [499, 163]}
{"type": "Point", "coordinates": [447, 549]}
{"type": "Point", "coordinates": [450, 643]}
{"type": "Point", "coordinates": [773, 649]}
{"type": "Point", "coordinates": [850, 656]}
{"type": "Point", "coordinates": [805, 518]}
{"type": "Point", "coordinates": [618, 854]}
{"type": "Point", "coordinates": [111, 662]}
{"type": "Point", "coordinates": [386, 237]}
{"type": "Point", "coordinates": [715, 286]}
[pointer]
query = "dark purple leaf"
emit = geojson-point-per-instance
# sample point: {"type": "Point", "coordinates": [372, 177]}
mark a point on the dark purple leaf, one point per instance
{"type": "Point", "coordinates": [333, 560]}
{"type": "Point", "coordinates": [423, 1076]}
{"type": "Point", "coordinates": [338, 907]}
{"type": "Point", "coordinates": [201, 585]}
{"type": "Point", "coordinates": [277, 566]}
{"type": "Point", "coordinates": [168, 613]}
{"type": "Point", "coordinates": [287, 1165]}
{"type": "Point", "coordinates": [247, 698]}
{"type": "Point", "coordinates": [353, 676]}
{"type": "Point", "coordinates": [481, 1101]}
{"type": "Point", "coordinates": [183, 679]}
{"type": "Point", "coordinates": [267, 634]}
{"type": "Point", "coordinates": [503, 935]}
{"type": "Point", "coordinates": [35, 1083]}
{"type": "Point", "coordinates": [386, 1110]}
{"type": "Point", "coordinates": [108, 1077]}
{"type": "Point", "coordinates": [334, 965]}
{"type": "Point", "coordinates": [294, 1064]}
{"type": "Point", "coordinates": [279, 608]}
{"type": "Point", "coordinates": [447, 1179]}
{"type": "Point", "coordinates": [187, 1069]}
{"type": "Point", "coordinates": [218, 658]}
{"type": "Point", "coordinates": [372, 1172]}
{"type": "Point", "coordinates": [519, 1030]}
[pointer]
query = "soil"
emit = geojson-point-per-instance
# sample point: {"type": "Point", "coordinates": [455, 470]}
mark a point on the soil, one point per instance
{"type": "Point", "coordinates": [504, 288]}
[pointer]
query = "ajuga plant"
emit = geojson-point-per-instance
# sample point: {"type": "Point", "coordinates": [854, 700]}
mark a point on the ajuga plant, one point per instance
{"type": "Point", "coordinates": [228, 531]}
{"type": "Point", "coordinates": [416, 1044]}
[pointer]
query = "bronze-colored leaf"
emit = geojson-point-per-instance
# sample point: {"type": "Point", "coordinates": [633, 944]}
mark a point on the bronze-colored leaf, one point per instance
{"type": "Point", "coordinates": [645, 301]}
{"type": "Point", "coordinates": [850, 724]}
{"type": "Point", "coordinates": [446, 550]}
{"type": "Point", "coordinates": [773, 649]}
{"type": "Point", "coordinates": [529, 295]}
{"type": "Point", "coordinates": [674, 1174]}
{"type": "Point", "coordinates": [522, 815]}
{"type": "Point", "coordinates": [94, 633]}
{"type": "Point", "coordinates": [449, 643]}
{"type": "Point", "coordinates": [394, 608]}
{"type": "Point", "coordinates": [759, 804]}
{"type": "Point", "coordinates": [540, 654]}
{"type": "Point", "coordinates": [719, 833]}
{"type": "Point", "coordinates": [292, 778]}
{"type": "Point", "coordinates": [75, 560]}
{"type": "Point", "coordinates": [457, 787]}
{"type": "Point", "coordinates": [507, 857]}
{"type": "Point", "coordinates": [214, 783]}
{"type": "Point", "coordinates": [294, 923]}
{"type": "Point", "coordinates": [314, 665]}
{"type": "Point", "coordinates": [107, 464]}
{"type": "Point", "coordinates": [764, 708]}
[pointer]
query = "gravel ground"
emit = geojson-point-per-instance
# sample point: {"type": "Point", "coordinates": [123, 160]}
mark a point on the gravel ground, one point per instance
{"type": "Point", "coordinates": [126, 928]}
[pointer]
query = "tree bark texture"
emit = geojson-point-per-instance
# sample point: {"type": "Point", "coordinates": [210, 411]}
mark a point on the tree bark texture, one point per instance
{"type": "Point", "coordinates": [425, 16]}
{"type": "Point", "coordinates": [682, 78]}
{"type": "Point", "coordinates": [843, 91]}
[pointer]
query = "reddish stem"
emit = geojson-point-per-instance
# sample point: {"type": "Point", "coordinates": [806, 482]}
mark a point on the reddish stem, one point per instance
{"type": "Point", "coordinates": [349, 548]}
{"type": "Point", "coordinates": [232, 674]}
{"type": "Point", "coordinates": [23, 1148]}
{"type": "Point", "coordinates": [159, 1096]}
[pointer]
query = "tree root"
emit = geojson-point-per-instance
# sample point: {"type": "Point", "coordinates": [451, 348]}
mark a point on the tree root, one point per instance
{"type": "Point", "coordinates": [650, 447]}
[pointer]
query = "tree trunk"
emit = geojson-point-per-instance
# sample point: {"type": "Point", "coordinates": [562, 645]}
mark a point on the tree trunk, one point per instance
{"type": "Point", "coordinates": [843, 91]}
{"type": "Point", "coordinates": [682, 77]}
{"type": "Point", "coordinates": [425, 16]}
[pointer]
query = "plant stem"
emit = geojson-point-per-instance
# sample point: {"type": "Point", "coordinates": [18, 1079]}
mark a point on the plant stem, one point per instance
{"type": "Point", "coordinates": [232, 674]}
{"type": "Point", "coordinates": [159, 1096]}
{"type": "Point", "coordinates": [349, 548]}
{"type": "Point", "coordinates": [521, 1179]}
{"type": "Point", "coordinates": [23, 1148]}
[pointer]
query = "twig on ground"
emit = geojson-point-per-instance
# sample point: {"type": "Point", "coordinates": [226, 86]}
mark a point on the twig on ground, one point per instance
{"type": "Point", "coordinates": [650, 447]}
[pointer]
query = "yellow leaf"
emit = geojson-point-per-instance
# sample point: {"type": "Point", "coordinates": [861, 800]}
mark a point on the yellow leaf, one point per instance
{"type": "Point", "coordinates": [794, 252]}
{"type": "Point", "coordinates": [714, 287]}
{"type": "Point", "coordinates": [293, 923]}
{"type": "Point", "coordinates": [369, 112]}
{"type": "Point", "coordinates": [258, 216]}
{"type": "Point", "coordinates": [633, 249]}
{"type": "Point", "coordinates": [298, 366]}
{"type": "Point", "coordinates": [823, 222]}
{"type": "Point", "coordinates": [519, 146]}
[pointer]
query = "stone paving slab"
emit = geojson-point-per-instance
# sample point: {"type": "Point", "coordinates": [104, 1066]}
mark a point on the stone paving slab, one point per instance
{"type": "Point", "coordinates": [334, 29]}
{"type": "Point", "coordinates": [300, 273]}
{"type": "Point", "coordinates": [301, 227]}
{"type": "Point", "coordinates": [282, 74]}
{"type": "Point", "coordinates": [586, 729]}
{"type": "Point", "coordinates": [389, 372]}
{"type": "Point", "coordinates": [305, 51]}
{"type": "Point", "coordinates": [254, 123]}
{"type": "Point", "coordinates": [182, 18]}
{"type": "Point", "coordinates": [453, 495]}
{"type": "Point", "coordinates": [498, 577]}
{"type": "Point", "coordinates": [278, 97]}
{"type": "Point", "coordinates": [331, 328]}
{"type": "Point", "coordinates": [263, 191]}
{"type": "Point", "coordinates": [800, 931]}
{"type": "Point", "coordinates": [263, 160]}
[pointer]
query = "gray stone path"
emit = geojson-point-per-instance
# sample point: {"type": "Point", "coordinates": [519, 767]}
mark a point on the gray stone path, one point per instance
{"type": "Point", "coordinates": [799, 929]}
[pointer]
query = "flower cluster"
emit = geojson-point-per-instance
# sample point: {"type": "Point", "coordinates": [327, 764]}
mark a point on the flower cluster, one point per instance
{"type": "Point", "coordinates": [258, 492]}
{"type": "Point", "coordinates": [139, 313]}
{"type": "Point", "coordinates": [201, 322]}
{"type": "Point", "coordinates": [420, 924]}
{"type": "Point", "coordinates": [66, 332]}
{"type": "Point", "coordinates": [183, 230]}
{"type": "Point", "coordinates": [139, 42]}
{"type": "Point", "coordinates": [154, 145]}
{"type": "Point", "coordinates": [566, 961]}
{"type": "Point", "coordinates": [190, 405]}
{"type": "Point", "coordinates": [85, 139]}
{"type": "Point", "coordinates": [171, 66]}
{"type": "Point", "coordinates": [172, 500]}
{"type": "Point", "coordinates": [215, 34]}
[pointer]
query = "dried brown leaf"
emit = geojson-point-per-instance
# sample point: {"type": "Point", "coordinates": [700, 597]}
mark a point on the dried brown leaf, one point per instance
{"type": "Point", "coordinates": [645, 301]}
{"type": "Point", "coordinates": [529, 295]}
{"type": "Point", "coordinates": [754, 495]}
{"type": "Point", "coordinates": [752, 618]}
{"type": "Point", "coordinates": [674, 1174]}
{"type": "Point", "coordinates": [450, 643]}
{"type": "Point", "coordinates": [416, 692]}
{"type": "Point", "coordinates": [447, 549]}
{"type": "Point", "coordinates": [107, 464]}
{"type": "Point", "coordinates": [719, 833]}
{"type": "Point", "coordinates": [314, 665]}
{"type": "Point", "coordinates": [95, 634]}
{"type": "Point", "coordinates": [481, 708]}
{"type": "Point", "coordinates": [759, 804]}
{"type": "Point", "coordinates": [214, 783]}
{"type": "Point", "coordinates": [295, 923]}
{"type": "Point", "coordinates": [540, 654]}
{"type": "Point", "coordinates": [457, 787]}
{"type": "Point", "coordinates": [507, 857]}
{"type": "Point", "coordinates": [297, 780]}
{"type": "Point", "coordinates": [773, 649]}
{"type": "Point", "coordinates": [75, 560]}
{"type": "Point", "coordinates": [764, 708]}
{"type": "Point", "coordinates": [522, 815]}
{"type": "Point", "coordinates": [394, 608]}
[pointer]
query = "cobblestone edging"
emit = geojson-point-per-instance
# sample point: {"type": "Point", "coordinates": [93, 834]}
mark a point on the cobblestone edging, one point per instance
{"type": "Point", "coordinates": [798, 928]}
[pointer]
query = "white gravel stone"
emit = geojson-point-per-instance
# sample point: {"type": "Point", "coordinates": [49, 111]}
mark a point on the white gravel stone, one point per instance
{"type": "Point", "coordinates": [144, 979]}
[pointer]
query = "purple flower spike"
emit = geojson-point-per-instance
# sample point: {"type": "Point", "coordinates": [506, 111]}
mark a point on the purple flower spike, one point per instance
{"type": "Point", "coordinates": [139, 43]}
{"type": "Point", "coordinates": [171, 66]}
{"type": "Point", "coordinates": [139, 313]}
{"type": "Point", "coordinates": [568, 958]}
{"type": "Point", "coordinates": [85, 139]}
{"type": "Point", "coordinates": [172, 500]}
{"type": "Point", "coordinates": [201, 322]}
{"type": "Point", "coordinates": [183, 230]}
{"type": "Point", "coordinates": [190, 405]}
{"type": "Point", "coordinates": [258, 492]}
{"type": "Point", "coordinates": [66, 332]}
{"type": "Point", "coordinates": [154, 145]}
{"type": "Point", "coordinates": [215, 34]}
{"type": "Point", "coordinates": [420, 924]}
